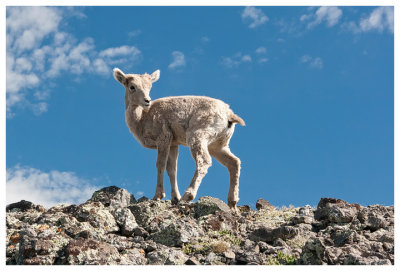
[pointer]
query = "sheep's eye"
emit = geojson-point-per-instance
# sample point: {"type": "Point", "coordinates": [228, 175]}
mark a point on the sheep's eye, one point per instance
{"type": "Point", "coordinates": [132, 88]}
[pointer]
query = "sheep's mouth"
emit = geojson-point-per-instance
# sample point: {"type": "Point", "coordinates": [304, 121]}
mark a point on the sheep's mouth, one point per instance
{"type": "Point", "coordinates": [146, 104]}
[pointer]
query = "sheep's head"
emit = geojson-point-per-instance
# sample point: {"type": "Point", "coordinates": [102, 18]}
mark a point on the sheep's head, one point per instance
{"type": "Point", "coordinates": [137, 86]}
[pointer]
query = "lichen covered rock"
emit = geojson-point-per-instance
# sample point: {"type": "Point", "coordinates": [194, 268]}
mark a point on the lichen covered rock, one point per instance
{"type": "Point", "coordinates": [113, 228]}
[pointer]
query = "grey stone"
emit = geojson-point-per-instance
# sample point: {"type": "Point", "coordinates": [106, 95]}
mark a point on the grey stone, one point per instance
{"type": "Point", "coordinates": [113, 196]}
{"type": "Point", "coordinates": [267, 234]}
{"type": "Point", "coordinates": [208, 205]}
{"type": "Point", "coordinates": [262, 203]}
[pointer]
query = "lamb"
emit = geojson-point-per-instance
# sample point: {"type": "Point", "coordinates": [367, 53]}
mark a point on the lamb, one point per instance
{"type": "Point", "coordinates": [204, 124]}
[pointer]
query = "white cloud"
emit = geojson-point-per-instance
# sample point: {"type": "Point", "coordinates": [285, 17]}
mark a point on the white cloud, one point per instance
{"type": "Point", "coordinates": [246, 58]}
{"type": "Point", "coordinates": [261, 50]}
{"type": "Point", "coordinates": [119, 51]}
{"type": "Point", "coordinates": [313, 62]}
{"type": "Point", "coordinates": [255, 15]}
{"type": "Point", "coordinates": [379, 19]}
{"type": "Point", "coordinates": [330, 15]}
{"type": "Point", "coordinates": [29, 25]}
{"type": "Point", "coordinates": [205, 39]}
{"type": "Point", "coordinates": [178, 60]}
{"type": "Point", "coordinates": [263, 60]}
{"type": "Point", "coordinates": [47, 189]}
{"type": "Point", "coordinates": [38, 50]}
{"type": "Point", "coordinates": [235, 60]}
{"type": "Point", "coordinates": [135, 33]}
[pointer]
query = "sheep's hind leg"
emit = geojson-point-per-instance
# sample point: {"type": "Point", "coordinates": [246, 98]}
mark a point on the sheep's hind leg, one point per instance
{"type": "Point", "coordinates": [203, 161]}
{"type": "Point", "coordinates": [171, 170]}
{"type": "Point", "coordinates": [232, 163]}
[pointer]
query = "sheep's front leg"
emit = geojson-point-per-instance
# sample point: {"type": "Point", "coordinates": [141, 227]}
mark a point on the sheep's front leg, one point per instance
{"type": "Point", "coordinates": [203, 160]}
{"type": "Point", "coordinates": [171, 170]}
{"type": "Point", "coordinates": [161, 164]}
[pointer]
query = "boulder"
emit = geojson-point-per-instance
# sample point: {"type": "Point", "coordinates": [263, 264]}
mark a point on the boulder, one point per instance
{"type": "Point", "coordinates": [23, 206]}
{"type": "Point", "coordinates": [336, 210]}
{"type": "Point", "coordinates": [209, 205]}
{"type": "Point", "coordinates": [262, 203]}
{"type": "Point", "coordinates": [267, 234]}
{"type": "Point", "coordinates": [91, 252]}
{"type": "Point", "coordinates": [113, 196]}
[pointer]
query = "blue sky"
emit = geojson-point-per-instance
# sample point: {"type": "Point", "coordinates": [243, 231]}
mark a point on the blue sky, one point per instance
{"type": "Point", "coordinates": [315, 86]}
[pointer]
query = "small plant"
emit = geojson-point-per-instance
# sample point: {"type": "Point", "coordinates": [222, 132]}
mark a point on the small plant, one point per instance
{"type": "Point", "coordinates": [230, 236]}
{"type": "Point", "coordinates": [281, 258]}
{"type": "Point", "coordinates": [219, 247]}
{"type": "Point", "coordinates": [196, 248]}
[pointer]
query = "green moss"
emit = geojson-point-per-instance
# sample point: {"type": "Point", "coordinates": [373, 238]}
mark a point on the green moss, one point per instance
{"type": "Point", "coordinates": [281, 258]}
{"type": "Point", "coordinates": [228, 234]}
{"type": "Point", "coordinates": [201, 247]}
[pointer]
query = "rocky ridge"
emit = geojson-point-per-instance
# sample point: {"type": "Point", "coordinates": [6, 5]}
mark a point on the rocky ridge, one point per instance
{"type": "Point", "coordinates": [112, 227]}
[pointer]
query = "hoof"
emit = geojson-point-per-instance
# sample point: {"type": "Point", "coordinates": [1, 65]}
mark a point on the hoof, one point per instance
{"type": "Point", "coordinates": [232, 204]}
{"type": "Point", "coordinates": [159, 197]}
{"type": "Point", "coordinates": [187, 197]}
{"type": "Point", "coordinates": [175, 200]}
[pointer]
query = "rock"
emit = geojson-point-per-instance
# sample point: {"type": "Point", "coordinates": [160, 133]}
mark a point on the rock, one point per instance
{"type": "Point", "coordinates": [113, 196]}
{"type": "Point", "coordinates": [126, 221]}
{"type": "Point", "coordinates": [343, 236]}
{"type": "Point", "coordinates": [96, 215]}
{"type": "Point", "coordinates": [374, 217]}
{"type": "Point", "coordinates": [133, 256]}
{"type": "Point", "coordinates": [23, 206]}
{"type": "Point", "coordinates": [86, 252]}
{"type": "Point", "coordinates": [306, 211]}
{"type": "Point", "coordinates": [222, 221]}
{"type": "Point", "coordinates": [229, 254]}
{"type": "Point", "coordinates": [336, 210]}
{"type": "Point", "coordinates": [167, 256]}
{"type": "Point", "coordinates": [301, 219]}
{"type": "Point", "coordinates": [244, 208]}
{"type": "Point", "coordinates": [143, 199]}
{"type": "Point", "coordinates": [249, 258]}
{"type": "Point", "coordinates": [262, 203]}
{"type": "Point", "coordinates": [192, 261]}
{"type": "Point", "coordinates": [208, 205]}
{"type": "Point", "coordinates": [176, 234]}
{"type": "Point", "coordinates": [314, 252]}
{"type": "Point", "coordinates": [270, 234]}
{"type": "Point", "coordinates": [34, 250]}
{"type": "Point", "coordinates": [111, 228]}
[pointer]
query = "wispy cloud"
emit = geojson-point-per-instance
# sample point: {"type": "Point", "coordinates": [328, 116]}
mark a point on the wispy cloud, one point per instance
{"type": "Point", "coordinates": [134, 33]}
{"type": "Point", "coordinates": [38, 50]}
{"type": "Point", "coordinates": [235, 60]}
{"type": "Point", "coordinates": [205, 39]}
{"type": "Point", "coordinates": [46, 188]}
{"type": "Point", "coordinates": [313, 62]}
{"type": "Point", "coordinates": [380, 19]}
{"type": "Point", "coordinates": [255, 16]}
{"type": "Point", "coordinates": [329, 15]}
{"type": "Point", "coordinates": [261, 50]}
{"type": "Point", "coordinates": [177, 61]}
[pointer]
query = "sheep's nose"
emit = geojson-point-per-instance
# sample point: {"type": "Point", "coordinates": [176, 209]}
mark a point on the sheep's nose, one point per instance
{"type": "Point", "coordinates": [147, 101]}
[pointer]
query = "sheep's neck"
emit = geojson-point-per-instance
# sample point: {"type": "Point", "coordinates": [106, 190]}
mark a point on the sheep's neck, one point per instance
{"type": "Point", "coordinates": [133, 115]}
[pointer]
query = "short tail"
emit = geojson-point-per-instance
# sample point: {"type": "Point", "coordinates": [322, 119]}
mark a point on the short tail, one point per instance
{"type": "Point", "coordinates": [233, 118]}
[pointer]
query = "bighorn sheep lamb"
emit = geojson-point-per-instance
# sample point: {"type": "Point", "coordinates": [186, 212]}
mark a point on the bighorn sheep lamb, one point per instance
{"type": "Point", "coordinates": [204, 124]}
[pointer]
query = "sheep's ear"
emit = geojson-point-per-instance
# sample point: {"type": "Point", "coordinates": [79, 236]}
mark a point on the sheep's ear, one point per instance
{"type": "Point", "coordinates": [155, 76]}
{"type": "Point", "coordinates": [119, 76]}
